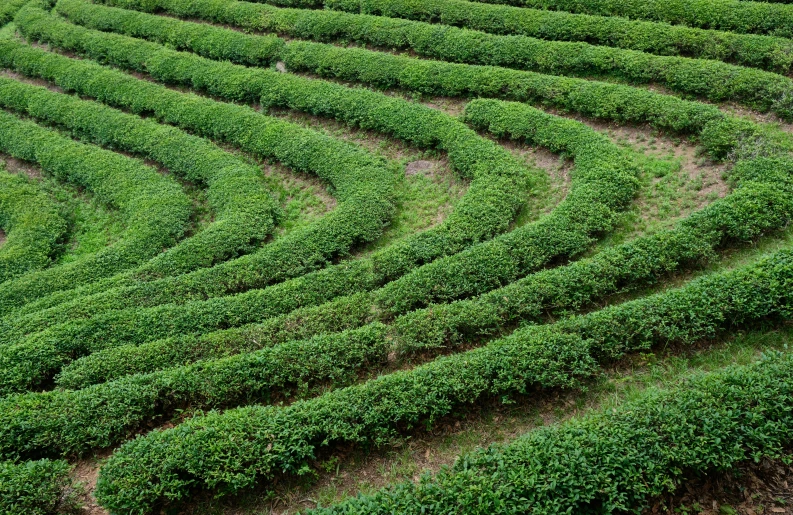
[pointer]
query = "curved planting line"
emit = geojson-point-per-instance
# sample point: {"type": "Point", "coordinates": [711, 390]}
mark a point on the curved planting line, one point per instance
{"type": "Point", "coordinates": [604, 182]}
{"type": "Point", "coordinates": [761, 203]}
{"type": "Point", "coordinates": [155, 209]}
{"type": "Point", "coordinates": [33, 226]}
{"type": "Point", "coordinates": [713, 80]}
{"type": "Point", "coordinates": [729, 15]}
{"type": "Point", "coordinates": [243, 209]}
{"type": "Point", "coordinates": [233, 450]}
{"type": "Point", "coordinates": [616, 460]}
{"type": "Point", "coordinates": [361, 182]}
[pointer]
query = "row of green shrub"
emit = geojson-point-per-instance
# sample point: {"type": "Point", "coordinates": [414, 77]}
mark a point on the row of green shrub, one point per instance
{"type": "Point", "coordinates": [761, 203]}
{"type": "Point", "coordinates": [37, 488]}
{"type": "Point", "coordinates": [768, 52]}
{"type": "Point", "coordinates": [243, 210]}
{"type": "Point", "coordinates": [362, 183]}
{"type": "Point", "coordinates": [615, 460]}
{"type": "Point", "coordinates": [728, 15]}
{"type": "Point", "coordinates": [603, 182]}
{"type": "Point", "coordinates": [495, 194]}
{"type": "Point", "coordinates": [73, 422]}
{"type": "Point", "coordinates": [154, 208]}
{"type": "Point", "coordinates": [341, 314]}
{"type": "Point", "coordinates": [229, 451]}
{"type": "Point", "coordinates": [609, 101]}
{"type": "Point", "coordinates": [713, 80]}
{"type": "Point", "coordinates": [33, 226]}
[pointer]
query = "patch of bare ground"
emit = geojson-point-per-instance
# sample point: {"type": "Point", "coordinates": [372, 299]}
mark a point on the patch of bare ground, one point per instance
{"type": "Point", "coordinates": [2, 237]}
{"type": "Point", "coordinates": [749, 489]}
{"type": "Point", "coordinates": [15, 165]}
{"type": "Point", "coordinates": [85, 472]}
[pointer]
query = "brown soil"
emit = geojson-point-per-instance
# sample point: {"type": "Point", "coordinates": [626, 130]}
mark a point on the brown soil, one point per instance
{"type": "Point", "coordinates": [750, 489]}
{"type": "Point", "coordinates": [85, 473]}
{"type": "Point", "coordinates": [15, 165]}
{"type": "Point", "coordinates": [2, 237]}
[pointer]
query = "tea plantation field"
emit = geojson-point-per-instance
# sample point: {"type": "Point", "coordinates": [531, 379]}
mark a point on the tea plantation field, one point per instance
{"type": "Point", "coordinates": [391, 256]}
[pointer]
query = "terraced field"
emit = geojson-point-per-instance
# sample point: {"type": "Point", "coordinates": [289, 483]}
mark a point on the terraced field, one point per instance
{"type": "Point", "coordinates": [392, 256]}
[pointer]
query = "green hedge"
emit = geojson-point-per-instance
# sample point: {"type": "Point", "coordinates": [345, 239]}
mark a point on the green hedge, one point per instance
{"type": "Point", "coordinates": [33, 225]}
{"type": "Point", "coordinates": [603, 182]}
{"type": "Point", "coordinates": [154, 208]}
{"type": "Point", "coordinates": [233, 450]}
{"type": "Point", "coordinates": [36, 488]}
{"type": "Point", "coordinates": [362, 183]}
{"type": "Point", "coordinates": [244, 211]}
{"type": "Point", "coordinates": [713, 80]}
{"type": "Point", "coordinates": [303, 323]}
{"type": "Point", "coordinates": [612, 460]}
{"type": "Point", "coordinates": [73, 422]}
{"type": "Point", "coordinates": [729, 15]}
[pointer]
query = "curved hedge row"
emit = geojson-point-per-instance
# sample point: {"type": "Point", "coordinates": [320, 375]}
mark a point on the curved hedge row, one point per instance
{"type": "Point", "coordinates": [714, 80]}
{"type": "Point", "coordinates": [766, 52]}
{"type": "Point", "coordinates": [154, 208]}
{"type": "Point", "coordinates": [616, 460]}
{"type": "Point", "coordinates": [73, 422]}
{"type": "Point", "coordinates": [342, 314]}
{"type": "Point", "coordinates": [730, 15]}
{"type": "Point", "coordinates": [33, 225]}
{"type": "Point", "coordinates": [95, 414]}
{"type": "Point", "coordinates": [36, 488]}
{"type": "Point", "coordinates": [762, 202]}
{"type": "Point", "coordinates": [362, 183]}
{"type": "Point", "coordinates": [232, 450]}
{"type": "Point", "coordinates": [244, 211]}
{"type": "Point", "coordinates": [604, 181]}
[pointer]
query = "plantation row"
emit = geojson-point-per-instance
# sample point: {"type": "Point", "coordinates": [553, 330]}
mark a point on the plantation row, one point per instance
{"type": "Point", "coordinates": [305, 350]}
{"type": "Point", "coordinates": [731, 15]}
{"type": "Point", "coordinates": [650, 102]}
{"type": "Point", "coordinates": [713, 80]}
